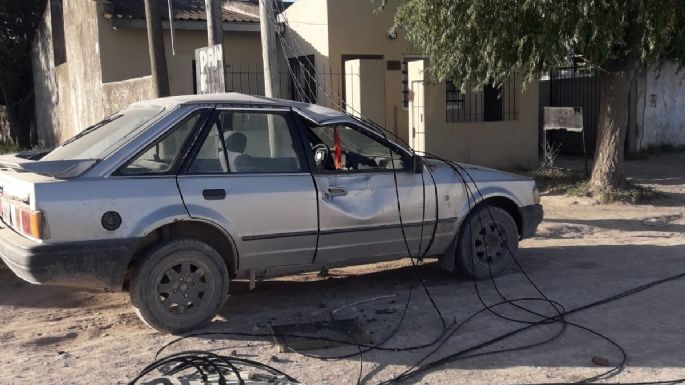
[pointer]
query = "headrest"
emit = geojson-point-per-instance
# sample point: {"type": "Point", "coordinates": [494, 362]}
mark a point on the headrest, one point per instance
{"type": "Point", "coordinates": [235, 141]}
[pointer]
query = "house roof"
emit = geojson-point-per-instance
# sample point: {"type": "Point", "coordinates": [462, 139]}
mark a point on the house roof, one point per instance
{"type": "Point", "coordinates": [234, 11]}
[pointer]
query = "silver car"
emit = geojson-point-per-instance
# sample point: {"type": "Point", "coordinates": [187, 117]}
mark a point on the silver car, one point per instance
{"type": "Point", "coordinates": [172, 198]}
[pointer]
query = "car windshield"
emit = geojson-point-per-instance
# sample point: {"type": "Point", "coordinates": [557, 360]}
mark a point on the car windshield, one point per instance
{"type": "Point", "coordinates": [99, 140]}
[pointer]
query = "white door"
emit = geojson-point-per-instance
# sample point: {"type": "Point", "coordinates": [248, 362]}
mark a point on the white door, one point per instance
{"type": "Point", "coordinates": [417, 134]}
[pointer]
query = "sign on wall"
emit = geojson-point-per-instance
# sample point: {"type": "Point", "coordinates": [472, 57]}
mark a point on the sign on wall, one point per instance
{"type": "Point", "coordinates": [209, 67]}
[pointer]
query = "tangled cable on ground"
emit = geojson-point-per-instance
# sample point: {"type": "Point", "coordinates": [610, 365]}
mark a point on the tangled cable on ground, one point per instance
{"type": "Point", "coordinates": [558, 316]}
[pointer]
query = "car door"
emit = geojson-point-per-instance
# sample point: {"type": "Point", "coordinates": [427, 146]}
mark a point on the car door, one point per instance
{"type": "Point", "coordinates": [358, 211]}
{"type": "Point", "coordinates": [249, 175]}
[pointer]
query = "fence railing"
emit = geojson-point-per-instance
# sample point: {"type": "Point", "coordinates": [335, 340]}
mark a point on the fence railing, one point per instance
{"type": "Point", "coordinates": [325, 86]}
{"type": "Point", "coordinates": [489, 104]}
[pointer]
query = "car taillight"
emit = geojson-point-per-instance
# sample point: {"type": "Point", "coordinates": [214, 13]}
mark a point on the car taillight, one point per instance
{"type": "Point", "coordinates": [29, 222]}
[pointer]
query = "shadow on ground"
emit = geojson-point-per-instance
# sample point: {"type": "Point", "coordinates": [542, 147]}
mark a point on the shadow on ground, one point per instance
{"type": "Point", "coordinates": [647, 325]}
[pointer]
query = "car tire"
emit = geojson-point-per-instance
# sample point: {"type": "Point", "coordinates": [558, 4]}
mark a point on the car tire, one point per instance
{"type": "Point", "coordinates": [483, 251]}
{"type": "Point", "coordinates": [179, 286]}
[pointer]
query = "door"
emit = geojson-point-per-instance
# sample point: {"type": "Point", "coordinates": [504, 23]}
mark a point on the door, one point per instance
{"type": "Point", "coordinates": [418, 123]}
{"type": "Point", "coordinates": [358, 215]}
{"type": "Point", "coordinates": [249, 175]}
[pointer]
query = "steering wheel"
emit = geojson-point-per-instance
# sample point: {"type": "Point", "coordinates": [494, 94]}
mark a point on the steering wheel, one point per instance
{"type": "Point", "coordinates": [321, 155]}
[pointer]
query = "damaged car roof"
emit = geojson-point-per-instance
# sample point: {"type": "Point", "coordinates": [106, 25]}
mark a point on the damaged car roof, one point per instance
{"type": "Point", "coordinates": [313, 112]}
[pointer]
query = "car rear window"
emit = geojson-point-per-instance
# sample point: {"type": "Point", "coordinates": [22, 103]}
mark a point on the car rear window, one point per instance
{"type": "Point", "coordinates": [101, 139]}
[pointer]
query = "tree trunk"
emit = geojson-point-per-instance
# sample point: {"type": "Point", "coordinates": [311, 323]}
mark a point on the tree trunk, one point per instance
{"type": "Point", "coordinates": [607, 173]}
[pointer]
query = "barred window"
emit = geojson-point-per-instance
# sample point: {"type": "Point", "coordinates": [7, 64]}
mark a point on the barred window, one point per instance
{"type": "Point", "coordinates": [491, 104]}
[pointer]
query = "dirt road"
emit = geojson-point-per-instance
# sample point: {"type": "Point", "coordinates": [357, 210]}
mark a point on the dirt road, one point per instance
{"type": "Point", "coordinates": [583, 252]}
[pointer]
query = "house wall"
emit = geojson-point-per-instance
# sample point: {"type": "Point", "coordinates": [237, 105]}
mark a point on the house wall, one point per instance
{"type": "Point", "coordinates": [510, 145]}
{"type": "Point", "coordinates": [356, 28]}
{"type": "Point", "coordinates": [108, 69]}
{"type": "Point", "coordinates": [125, 54]}
{"type": "Point", "coordinates": [660, 107]}
{"type": "Point", "coordinates": [68, 96]}
{"type": "Point", "coordinates": [308, 34]}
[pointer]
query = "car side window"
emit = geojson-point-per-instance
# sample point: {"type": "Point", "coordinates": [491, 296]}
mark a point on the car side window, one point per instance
{"type": "Point", "coordinates": [344, 148]}
{"type": "Point", "coordinates": [210, 158]}
{"type": "Point", "coordinates": [248, 142]}
{"type": "Point", "coordinates": [160, 157]}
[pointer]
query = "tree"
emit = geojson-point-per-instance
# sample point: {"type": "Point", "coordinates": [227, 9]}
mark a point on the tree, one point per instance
{"type": "Point", "coordinates": [18, 22]}
{"type": "Point", "coordinates": [478, 42]}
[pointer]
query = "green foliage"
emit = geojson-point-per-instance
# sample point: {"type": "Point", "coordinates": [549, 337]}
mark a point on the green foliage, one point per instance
{"type": "Point", "coordinates": [630, 193]}
{"type": "Point", "coordinates": [561, 181]}
{"type": "Point", "coordinates": [7, 148]}
{"type": "Point", "coordinates": [18, 21]}
{"type": "Point", "coordinates": [476, 42]}
{"type": "Point", "coordinates": [574, 183]}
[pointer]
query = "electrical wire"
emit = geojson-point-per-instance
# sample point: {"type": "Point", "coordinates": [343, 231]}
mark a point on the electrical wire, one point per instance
{"type": "Point", "coordinates": [449, 331]}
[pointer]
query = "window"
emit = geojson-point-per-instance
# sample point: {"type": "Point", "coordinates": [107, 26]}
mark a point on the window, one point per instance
{"type": "Point", "coordinates": [248, 142]}
{"type": "Point", "coordinates": [490, 104]}
{"type": "Point", "coordinates": [59, 46]}
{"type": "Point", "coordinates": [161, 157]}
{"type": "Point", "coordinates": [210, 159]}
{"type": "Point", "coordinates": [357, 151]}
{"type": "Point", "coordinates": [98, 141]}
{"type": "Point", "coordinates": [303, 79]}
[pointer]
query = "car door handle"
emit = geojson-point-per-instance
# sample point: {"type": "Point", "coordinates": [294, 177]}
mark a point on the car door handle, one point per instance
{"type": "Point", "coordinates": [214, 194]}
{"type": "Point", "coordinates": [335, 191]}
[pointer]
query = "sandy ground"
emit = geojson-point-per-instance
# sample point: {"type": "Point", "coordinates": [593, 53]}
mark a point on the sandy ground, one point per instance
{"type": "Point", "coordinates": [583, 252]}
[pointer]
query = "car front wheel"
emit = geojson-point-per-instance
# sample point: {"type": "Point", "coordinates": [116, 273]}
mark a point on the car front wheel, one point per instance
{"type": "Point", "coordinates": [487, 243]}
{"type": "Point", "coordinates": [179, 286]}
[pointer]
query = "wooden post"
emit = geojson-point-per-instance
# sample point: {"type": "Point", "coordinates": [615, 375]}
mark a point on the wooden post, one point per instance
{"type": "Point", "coordinates": [270, 61]}
{"type": "Point", "coordinates": [160, 76]}
{"type": "Point", "coordinates": [269, 58]}
{"type": "Point", "coordinates": [215, 28]}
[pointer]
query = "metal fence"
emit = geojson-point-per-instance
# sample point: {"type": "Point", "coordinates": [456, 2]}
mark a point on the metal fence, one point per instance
{"type": "Point", "coordinates": [574, 86]}
{"type": "Point", "coordinates": [489, 104]}
{"type": "Point", "coordinates": [323, 86]}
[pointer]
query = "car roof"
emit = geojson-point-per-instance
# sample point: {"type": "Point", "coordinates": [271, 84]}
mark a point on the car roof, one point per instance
{"type": "Point", "coordinates": [315, 113]}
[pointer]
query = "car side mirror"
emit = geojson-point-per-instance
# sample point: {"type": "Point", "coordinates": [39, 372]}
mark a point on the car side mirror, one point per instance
{"type": "Point", "coordinates": [417, 164]}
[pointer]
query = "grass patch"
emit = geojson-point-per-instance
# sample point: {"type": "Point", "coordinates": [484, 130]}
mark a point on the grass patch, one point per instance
{"type": "Point", "coordinates": [6, 148]}
{"type": "Point", "coordinates": [574, 183]}
{"type": "Point", "coordinates": [630, 193]}
{"type": "Point", "coordinates": [561, 181]}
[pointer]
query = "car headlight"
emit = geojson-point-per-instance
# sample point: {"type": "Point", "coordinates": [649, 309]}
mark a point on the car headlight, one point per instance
{"type": "Point", "coordinates": [536, 195]}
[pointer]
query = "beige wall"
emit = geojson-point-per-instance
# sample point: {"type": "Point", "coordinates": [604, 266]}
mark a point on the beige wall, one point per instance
{"type": "Point", "coordinates": [365, 98]}
{"type": "Point", "coordinates": [508, 144]}
{"type": "Point", "coordinates": [108, 69]}
{"type": "Point", "coordinates": [125, 54]}
{"type": "Point", "coordinates": [356, 28]}
{"type": "Point", "coordinates": [308, 35]}
{"type": "Point", "coordinates": [69, 96]}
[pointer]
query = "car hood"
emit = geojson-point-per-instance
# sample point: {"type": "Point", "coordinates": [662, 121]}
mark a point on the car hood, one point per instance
{"type": "Point", "coordinates": [479, 173]}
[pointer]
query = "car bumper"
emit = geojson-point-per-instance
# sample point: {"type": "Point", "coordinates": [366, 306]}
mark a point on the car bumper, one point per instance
{"type": "Point", "coordinates": [91, 264]}
{"type": "Point", "coordinates": [531, 216]}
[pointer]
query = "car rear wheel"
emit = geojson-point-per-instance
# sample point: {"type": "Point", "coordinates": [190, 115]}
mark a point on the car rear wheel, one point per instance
{"type": "Point", "coordinates": [488, 239]}
{"type": "Point", "coordinates": [179, 286]}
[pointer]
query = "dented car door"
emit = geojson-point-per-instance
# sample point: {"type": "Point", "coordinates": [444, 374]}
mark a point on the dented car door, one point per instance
{"type": "Point", "coordinates": [357, 197]}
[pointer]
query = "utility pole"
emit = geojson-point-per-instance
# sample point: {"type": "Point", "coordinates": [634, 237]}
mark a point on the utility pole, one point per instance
{"type": "Point", "coordinates": [215, 28]}
{"type": "Point", "coordinates": [155, 39]}
{"type": "Point", "coordinates": [270, 60]}
{"type": "Point", "coordinates": [267, 20]}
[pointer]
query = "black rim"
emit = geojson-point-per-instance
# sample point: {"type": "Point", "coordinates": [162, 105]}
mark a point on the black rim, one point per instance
{"type": "Point", "coordinates": [182, 288]}
{"type": "Point", "coordinates": [489, 242]}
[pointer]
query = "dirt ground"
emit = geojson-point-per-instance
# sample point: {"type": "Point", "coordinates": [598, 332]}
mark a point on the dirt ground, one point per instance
{"type": "Point", "coordinates": [583, 252]}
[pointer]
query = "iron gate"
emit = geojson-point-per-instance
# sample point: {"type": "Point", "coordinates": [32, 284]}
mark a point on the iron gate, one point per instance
{"type": "Point", "coordinates": [572, 87]}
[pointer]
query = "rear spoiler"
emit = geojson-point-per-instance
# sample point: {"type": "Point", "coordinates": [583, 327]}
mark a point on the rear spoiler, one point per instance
{"type": "Point", "coordinates": [60, 169]}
